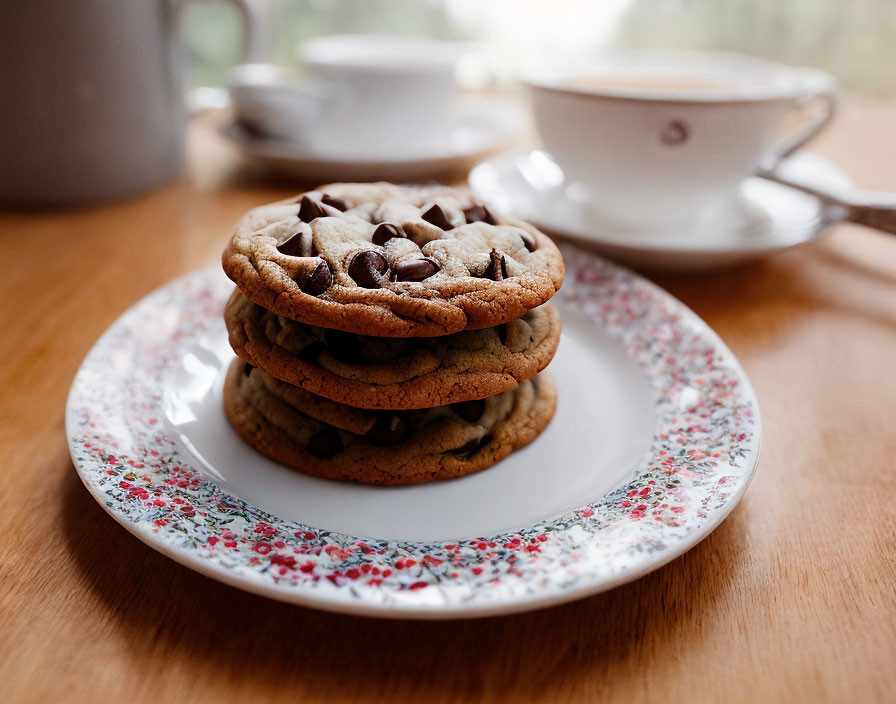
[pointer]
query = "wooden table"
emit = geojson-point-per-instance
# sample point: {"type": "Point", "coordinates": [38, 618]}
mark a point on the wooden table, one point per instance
{"type": "Point", "coordinates": [793, 598]}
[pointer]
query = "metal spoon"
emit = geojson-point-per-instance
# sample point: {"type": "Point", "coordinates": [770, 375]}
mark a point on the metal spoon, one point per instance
{"type": "Point", "coordinates": [875, 209]}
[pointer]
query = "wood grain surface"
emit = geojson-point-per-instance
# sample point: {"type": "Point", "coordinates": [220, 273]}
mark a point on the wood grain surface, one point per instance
{"type": "Point", "coordinates": [792, 599]}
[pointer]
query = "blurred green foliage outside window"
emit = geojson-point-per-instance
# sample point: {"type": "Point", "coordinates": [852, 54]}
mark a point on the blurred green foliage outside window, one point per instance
{"type": "Point", "coordinates": [854, 39]}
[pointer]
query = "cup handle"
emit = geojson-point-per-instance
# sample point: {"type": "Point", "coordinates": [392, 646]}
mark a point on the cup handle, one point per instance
{"type": "Point", "coordinates": [256, 29]}
{"type": "Point", "coordinates": [256, 43]}
{"type": "Point", "coordinates": [814, 87]}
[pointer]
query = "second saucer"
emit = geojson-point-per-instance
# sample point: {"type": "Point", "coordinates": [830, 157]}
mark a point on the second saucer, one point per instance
{"type": "Point", "coordinates": [483, 125]}
{"type": "Point", "coordinates": [763, 217]}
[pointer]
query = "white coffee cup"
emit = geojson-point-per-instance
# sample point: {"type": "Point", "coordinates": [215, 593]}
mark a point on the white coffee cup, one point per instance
{"type": "Point", "coordinates": [270, 101]}
{"type": "Point", "coordinates": [364, 93]}
{"type": "Point", "coordinates": [655, 138]}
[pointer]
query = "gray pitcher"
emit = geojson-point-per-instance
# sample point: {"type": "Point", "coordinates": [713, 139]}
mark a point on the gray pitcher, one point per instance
{"type": "Point", "coordinates": [92, 98]}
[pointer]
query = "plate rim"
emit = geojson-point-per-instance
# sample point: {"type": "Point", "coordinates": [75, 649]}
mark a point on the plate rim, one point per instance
{"type": "Point", "coordinates": [342, 601]}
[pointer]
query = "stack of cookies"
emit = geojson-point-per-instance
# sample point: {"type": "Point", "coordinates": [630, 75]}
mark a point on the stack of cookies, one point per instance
{"type": "Point", "coordinates": [389, 334]}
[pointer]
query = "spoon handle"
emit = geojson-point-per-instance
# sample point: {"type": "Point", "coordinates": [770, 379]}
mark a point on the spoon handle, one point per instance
{"type": "Point", "coordinates": [875, 209]}
{"type": "Point", "coordinates": [880, 216]}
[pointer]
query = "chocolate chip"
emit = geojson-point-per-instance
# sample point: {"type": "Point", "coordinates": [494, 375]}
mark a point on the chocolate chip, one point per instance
{"type": "Point", "coordinates": [325, 443]}
{"type": "Point", "coordinates": [247, 369]}
{"type": "Point", "coordinates": [479, 213]}
{"type": "Point", "coordinates": [309, 210]}
{"type": "Point", "coordinates": [298, 245]}
{"type": "Point", "coordinates": [436, 216]}
{"type": "Point", "coordinates": [320, 280]}
{"type": "Point", "coordinates": [497, 267]}
{"type": "Point", "coordinates": [385, 232]}
{"type": "Point", "coordinates": [415, 269]}
{"type": "Point", "coordinates": [470, 411]}
{"type": "Point", "coordinates": [470, 448]}
{"type": "Point", "coordinates": [389, 429]}
{"type": "Point", "coordinates": [467, 448]}
{"type": "Point", "coordinates": [342, 345]}
{"type": "Point", "coordinates": [502, 333]}
{"type": "Point", "coordinates": [369, 269]}
{"type": "Point", "coordinates": [337, 203]}
{"type": "Point", "coordinates": [311, 353]}
{"type": "Point", "coordinates": [528, 240]}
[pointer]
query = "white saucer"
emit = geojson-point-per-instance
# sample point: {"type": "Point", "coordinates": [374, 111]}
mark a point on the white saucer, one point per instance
{"type": "Point", "coordinates": [654, 441]}
{"type": "Point", "coordinates": [485, 124]}
{"type": "Point", "coordinates": [764, 217]}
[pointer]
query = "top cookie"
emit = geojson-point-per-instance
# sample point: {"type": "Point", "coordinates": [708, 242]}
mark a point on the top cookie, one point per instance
{"type": "Point", "coordinates": [391, 261]}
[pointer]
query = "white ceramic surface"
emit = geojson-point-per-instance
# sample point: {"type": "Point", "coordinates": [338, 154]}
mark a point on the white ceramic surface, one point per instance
{"type": "Point", "coordinates": [482, 126]}
{"type": "Point", "coordinates": [388, 90]}
{"type": "Point", "coordinates": [654, 157]}
{"type": "Point", "coordinates": [270, 100]}
{"type": "Point", "coordinates": [761, 218]}
{"type": "Point", "coordinates": [358, 91]}
{"type": "Point", "coordinates": [609, 431]}
{"type": "Point", "coordinates": [655, 440]}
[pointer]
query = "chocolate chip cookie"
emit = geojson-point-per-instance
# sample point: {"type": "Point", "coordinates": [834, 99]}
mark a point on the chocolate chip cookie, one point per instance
{"type": "Point", "coordinates": [383, 372]}
{"type": "Point", "coordinates": [335, 441]}
{"type": "Point", "coordinates": [392, 261]}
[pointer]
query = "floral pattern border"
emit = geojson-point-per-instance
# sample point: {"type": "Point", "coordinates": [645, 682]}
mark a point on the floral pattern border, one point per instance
{"type": "Point", "coordinates": [699, 462]}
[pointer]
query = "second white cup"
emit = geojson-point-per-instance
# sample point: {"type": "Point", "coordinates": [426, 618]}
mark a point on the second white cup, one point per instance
{"type": "Point", "coordinates": [363, 94]}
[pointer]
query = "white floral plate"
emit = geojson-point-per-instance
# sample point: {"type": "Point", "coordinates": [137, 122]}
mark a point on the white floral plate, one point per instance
{"type": "Point", "coordinates": [655, 440]}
